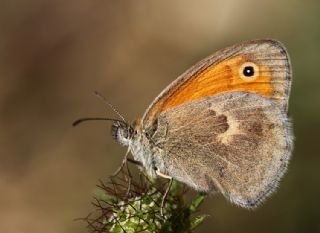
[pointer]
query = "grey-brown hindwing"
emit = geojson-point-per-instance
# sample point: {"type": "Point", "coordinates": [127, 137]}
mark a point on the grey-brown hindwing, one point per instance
{"type": "Point", "coordinates": [238, 143]}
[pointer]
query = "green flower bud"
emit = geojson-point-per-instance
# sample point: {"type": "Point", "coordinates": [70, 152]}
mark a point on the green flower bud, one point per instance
{"type": "Point", "coordinates": [125, 205]}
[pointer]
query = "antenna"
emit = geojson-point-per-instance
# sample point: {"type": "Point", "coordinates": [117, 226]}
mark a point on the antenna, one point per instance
{"type": "Point", "coordinates": [110, 105]}
{"type": "Point", "coordinates": [77, 122]}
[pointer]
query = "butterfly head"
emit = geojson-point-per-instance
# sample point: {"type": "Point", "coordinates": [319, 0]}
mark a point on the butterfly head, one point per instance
{"type": "Point", "coordinates": [122, 132]}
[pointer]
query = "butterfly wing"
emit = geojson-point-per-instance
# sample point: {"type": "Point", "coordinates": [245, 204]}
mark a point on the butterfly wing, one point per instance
{"type": "Point", "coordinates": [238, 143]}
{"type": "Point", "coordinates": [224, 71]}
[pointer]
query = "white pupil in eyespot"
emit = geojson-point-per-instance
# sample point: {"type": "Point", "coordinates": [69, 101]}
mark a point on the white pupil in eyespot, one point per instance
{"type": "Point", "coordinates": [248, 71]}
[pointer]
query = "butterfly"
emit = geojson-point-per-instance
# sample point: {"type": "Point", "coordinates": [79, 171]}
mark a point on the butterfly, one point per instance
{"type": "Point", "coordinates": [221, 126]}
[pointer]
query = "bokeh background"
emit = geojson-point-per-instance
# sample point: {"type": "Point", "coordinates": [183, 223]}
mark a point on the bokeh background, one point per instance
{"type": "Point", "coordinates": [54, 54]}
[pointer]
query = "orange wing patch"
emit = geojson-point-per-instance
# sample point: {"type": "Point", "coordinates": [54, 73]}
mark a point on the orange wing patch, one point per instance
{"type": "Point", "coordinates": [225, 76]}
{"type": "Point", "coordinates": [260, 66]}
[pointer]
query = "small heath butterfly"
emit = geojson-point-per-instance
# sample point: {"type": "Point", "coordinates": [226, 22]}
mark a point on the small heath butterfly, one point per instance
{"type": "Point", "coordinates": [220, 126]}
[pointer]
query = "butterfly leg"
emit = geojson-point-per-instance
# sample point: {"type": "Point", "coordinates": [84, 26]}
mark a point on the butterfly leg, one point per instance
{"type": "Point", "coordinates": [124, 161]}
{"type": "Point", "coordinates": [167, 190]}
{"type": "Point", "coordinates": [135, 162]}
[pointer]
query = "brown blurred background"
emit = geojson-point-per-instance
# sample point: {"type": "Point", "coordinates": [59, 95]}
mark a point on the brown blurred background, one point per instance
{"type": "Point", "coordinates": [53, 54]}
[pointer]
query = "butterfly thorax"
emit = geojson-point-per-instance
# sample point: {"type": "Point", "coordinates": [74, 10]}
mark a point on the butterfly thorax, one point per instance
{"type": "Point", "coordinates": [144, 149]}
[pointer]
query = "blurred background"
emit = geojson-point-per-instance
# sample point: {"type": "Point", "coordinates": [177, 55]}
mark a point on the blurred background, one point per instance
{"type": "Point", "coordinates": [54, 54]}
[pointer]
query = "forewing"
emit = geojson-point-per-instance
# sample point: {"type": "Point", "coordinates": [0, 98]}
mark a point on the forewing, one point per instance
{"type": "Point", "coordinates": [223, 72]}
{"type": "Point", "coordinates": [238, 143]}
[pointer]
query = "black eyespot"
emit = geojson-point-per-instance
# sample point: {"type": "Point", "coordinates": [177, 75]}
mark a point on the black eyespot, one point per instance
{"type": "Point", "coordinates": [248, 71]}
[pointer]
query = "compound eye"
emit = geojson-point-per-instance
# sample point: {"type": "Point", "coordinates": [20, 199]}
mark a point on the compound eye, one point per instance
{"type": "Point", "coordinates": [131, 131]}
{"type": "Point", "coordinates": [249, 71]}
